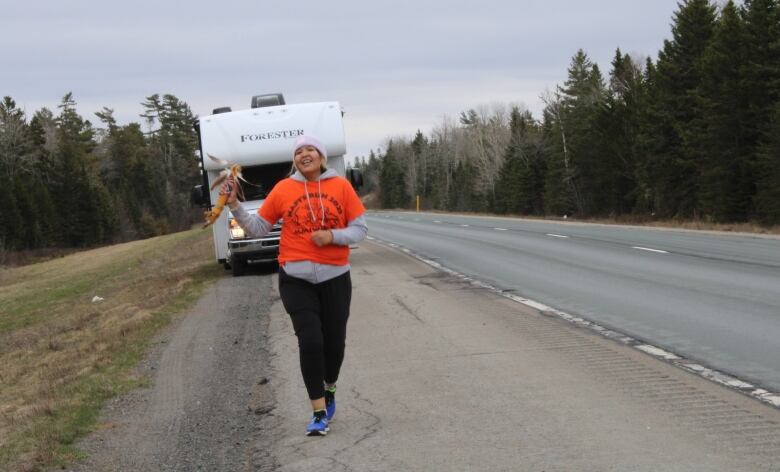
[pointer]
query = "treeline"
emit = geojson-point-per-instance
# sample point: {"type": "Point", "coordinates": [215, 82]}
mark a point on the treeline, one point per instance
{"type": "Point", "coordinates": [67, 183]}
{"type": "Point", "coordinates": [694, 134]}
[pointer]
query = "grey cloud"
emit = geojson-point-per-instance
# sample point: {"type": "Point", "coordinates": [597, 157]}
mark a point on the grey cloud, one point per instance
{"type": "Point", "coordinates": [411, 61]}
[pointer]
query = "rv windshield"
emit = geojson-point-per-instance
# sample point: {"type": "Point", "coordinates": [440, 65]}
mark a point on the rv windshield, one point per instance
{"type": "Point", "coordinates": [261, 179]}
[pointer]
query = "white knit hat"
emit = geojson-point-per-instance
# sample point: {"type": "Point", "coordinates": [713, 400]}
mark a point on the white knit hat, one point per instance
{"type": "Point", "coordinates": [311, 141]}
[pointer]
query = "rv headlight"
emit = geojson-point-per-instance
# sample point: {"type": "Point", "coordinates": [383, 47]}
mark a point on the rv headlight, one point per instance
{"type": "Point", "coordinates": [236, 231]}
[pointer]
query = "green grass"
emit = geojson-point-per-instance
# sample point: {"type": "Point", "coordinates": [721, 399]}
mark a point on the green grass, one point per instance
{"type": "Point", "coordinates": [33, 301]}
{"type": "Point", "coordinates": [29, 307]}
{"type": "Point", "coordinates": [58, 383]}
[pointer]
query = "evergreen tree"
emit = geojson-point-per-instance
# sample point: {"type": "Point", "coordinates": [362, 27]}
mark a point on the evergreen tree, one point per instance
{"type": "Point", "coordinates": [649, 144]}
{"type": "Point", "coordinates": [137, 190]}
{"type": "Point", "coordinates": [761, 87]}
{"type": "Point", "coordinates": [719, 131]}
{"type": "Point", "coordinates": [14, 140]}
{"type": "Point", "coordinates": [767, 199]}
{"type": "Point", "coordinates": [761, 66]}
{"type": "Point", "coordinates": [508, 188]}
{"type": "Point", "coordinates": [520, 185]}
{"type": "Point", "coordinates": [11, 221]}
{"type": "Point", "coordinates": [13, 149]}
{"type": "Point", "coordinates": [32, 234]}
{"type": "Point", "coordinates": [47, 219]}
{"type": "Point", "coordinates": [30, 217]}
{"type": "Point", "coordinates": [421, 158]}
{"type": "Point", "coordinates": [617, 130]}
{"type": "Point", "coordinates": [679, 73]}
{"type": "Point", "coordinates": [463, 196]}
{"type": "Point", "coordinates": [79, 197]}
{"type": "Point", "coordinates": [371, 169]}
{"type": "Point", "coordinates": [391, 180]}
{"type": "Point", "coordinates": [559, 193]}
{"type": "Point", "coordinates": [441, 174]}
{"type": "Point", "coordinates": [578, 162]}
{"type": "Point", "coordinates": [173, 144]}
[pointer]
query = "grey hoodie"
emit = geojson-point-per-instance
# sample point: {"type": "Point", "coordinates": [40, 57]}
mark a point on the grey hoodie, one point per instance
{"type": "Point", "coordinates": [356, 230]}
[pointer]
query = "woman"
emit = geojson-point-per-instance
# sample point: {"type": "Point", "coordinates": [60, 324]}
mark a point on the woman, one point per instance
{"type": "Point", "coordinates": [322, 215]}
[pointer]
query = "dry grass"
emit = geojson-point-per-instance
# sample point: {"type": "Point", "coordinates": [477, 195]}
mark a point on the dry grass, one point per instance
{"type": "Point", "coordinates": [62, 356]}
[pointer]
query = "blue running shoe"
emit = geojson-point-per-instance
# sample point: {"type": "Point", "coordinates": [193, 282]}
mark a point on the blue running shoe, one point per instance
{"type": "Point", "coordinates": [330, 402]}
{"type": "Point", "coordinates": [318, 425]}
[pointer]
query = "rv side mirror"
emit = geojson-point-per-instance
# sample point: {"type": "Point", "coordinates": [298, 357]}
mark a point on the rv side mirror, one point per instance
{"type": "Point", "coordinates": [199, 197]}
{"type": "Point", "coordinates": [355, 177]}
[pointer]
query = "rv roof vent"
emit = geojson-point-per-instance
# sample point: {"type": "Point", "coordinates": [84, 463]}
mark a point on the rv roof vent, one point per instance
{"type": "Point", "coordinates": [219, 110]}
{"type": "Point", "coordinates": [267, 100]}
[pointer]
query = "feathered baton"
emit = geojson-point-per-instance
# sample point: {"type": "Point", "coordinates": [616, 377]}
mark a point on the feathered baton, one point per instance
{"type": "Point", "coordinates": [227, 178]}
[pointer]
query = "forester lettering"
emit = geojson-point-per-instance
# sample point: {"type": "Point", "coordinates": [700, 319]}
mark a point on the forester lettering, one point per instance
{"type": "Point", "coordinates": [293, 133]}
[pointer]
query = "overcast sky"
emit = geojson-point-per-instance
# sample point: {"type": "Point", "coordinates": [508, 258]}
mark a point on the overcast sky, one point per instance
{"type": "Point", "coordinates": [395, 66]}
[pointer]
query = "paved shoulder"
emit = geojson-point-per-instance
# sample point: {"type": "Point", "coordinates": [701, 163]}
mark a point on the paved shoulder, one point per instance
{"type": "Point", "coordinates": [441, 375]}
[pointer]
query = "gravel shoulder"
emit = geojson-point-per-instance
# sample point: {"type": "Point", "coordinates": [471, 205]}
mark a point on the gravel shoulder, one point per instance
{"type": "Point", "coordinates": [439, 375]}
{"type": "Point", "coordinates": [208, 374]}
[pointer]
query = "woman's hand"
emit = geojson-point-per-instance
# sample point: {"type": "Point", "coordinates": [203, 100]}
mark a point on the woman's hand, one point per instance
{"type": "Point", "coordinates": [322, 237]}
{"type": "Point", "coordinates": [230, 188]}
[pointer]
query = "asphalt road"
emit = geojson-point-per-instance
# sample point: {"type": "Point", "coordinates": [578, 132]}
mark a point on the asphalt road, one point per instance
{"type": "Point", "coordinates": [438, 375]}
{"type": "Point", "coordinates": [713, 298]}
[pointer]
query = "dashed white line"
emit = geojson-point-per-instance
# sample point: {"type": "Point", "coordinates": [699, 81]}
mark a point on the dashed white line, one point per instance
{"type": "Point", "coordinates": [500, 229]}
{"type": "Point", "coordinates": [649, 249]}
{"type": "Point", "coordinates": [464, 226]}
{"type": "Point", "coordinates": [437, 221]}
{"type": "Point", "coordinates": [556, 235]}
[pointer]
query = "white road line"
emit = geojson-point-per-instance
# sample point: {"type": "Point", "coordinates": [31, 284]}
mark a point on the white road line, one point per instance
{"type": "Point", "coordinates": [556, 235]}
{"type": "Point", "coordinates": [436, 221]}
{"type": "Point", "coordinates": [500, 229]}
{"type": "Point", "coordinates": [649, 249]}
{"type": "Point", "coordinates": [464, 226]}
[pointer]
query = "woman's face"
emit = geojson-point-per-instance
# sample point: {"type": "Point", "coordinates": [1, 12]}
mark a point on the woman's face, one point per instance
{"type": "Point", "coordinates": [308, 161]}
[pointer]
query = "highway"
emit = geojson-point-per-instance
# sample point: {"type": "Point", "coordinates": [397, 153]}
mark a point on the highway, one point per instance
{"type": "Point", "coordinates": [438, 375]}
{"type": "Point", "coordinates": [712, 298]}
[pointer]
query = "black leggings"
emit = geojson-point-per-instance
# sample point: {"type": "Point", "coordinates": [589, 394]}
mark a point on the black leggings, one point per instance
{"type": "Point", "coordinates": [319, 314]}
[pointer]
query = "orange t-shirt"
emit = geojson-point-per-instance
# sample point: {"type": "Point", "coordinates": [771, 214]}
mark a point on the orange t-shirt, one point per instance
{"type": "Point", "coordinates": [339, 204]}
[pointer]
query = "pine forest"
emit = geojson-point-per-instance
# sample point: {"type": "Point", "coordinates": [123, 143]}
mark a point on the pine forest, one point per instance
{"type": "Point", "coordinates": [691, 135]}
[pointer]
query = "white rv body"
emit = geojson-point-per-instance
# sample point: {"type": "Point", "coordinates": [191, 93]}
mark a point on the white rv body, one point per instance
{"type": "Point", "coordinates": [260, 137]}
{"type": "Point", "coordinates": [266, 135]}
